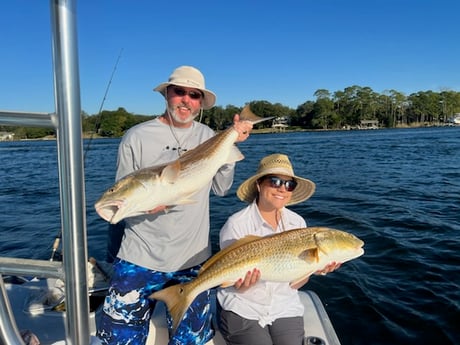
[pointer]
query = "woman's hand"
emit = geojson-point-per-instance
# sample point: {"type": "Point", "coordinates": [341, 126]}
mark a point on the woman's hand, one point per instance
{"type": "Point", "coordinates": [249, 280]}
{"type": "Point", "coordinates": [328, 269]}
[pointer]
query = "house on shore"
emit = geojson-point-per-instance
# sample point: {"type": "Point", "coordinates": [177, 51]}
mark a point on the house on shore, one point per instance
{"type": "Point", "coordinates": [369, 124]}
{"type": "Point", "coordinates": [456, 119]}
{"type": "Point", "coordinates": [280, 124]}
{"type": "Point", "coordinates": [6, 136]}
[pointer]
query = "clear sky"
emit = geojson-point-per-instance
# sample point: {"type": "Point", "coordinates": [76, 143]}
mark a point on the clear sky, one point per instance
{"type": "Point", "coordinates": [280, 51]}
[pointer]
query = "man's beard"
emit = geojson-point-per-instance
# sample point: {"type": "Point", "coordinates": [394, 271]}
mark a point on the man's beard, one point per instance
{"type": "Point", "coordinates": [178, 119]}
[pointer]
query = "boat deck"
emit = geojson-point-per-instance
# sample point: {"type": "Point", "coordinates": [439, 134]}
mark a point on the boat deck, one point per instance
{"type": "Point", "coordinates": [35, 304]}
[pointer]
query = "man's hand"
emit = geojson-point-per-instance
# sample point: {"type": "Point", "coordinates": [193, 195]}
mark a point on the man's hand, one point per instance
{"type": "Point", "coordinates": [157, 209]}
{"type": "Point", "coordinates": [242, 127]}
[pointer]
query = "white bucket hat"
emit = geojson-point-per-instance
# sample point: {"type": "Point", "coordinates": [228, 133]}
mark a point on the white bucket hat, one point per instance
{"type": "Point", "coordinates": [188, 76]}
{"type": "Point", "coordinates": [276, 164]}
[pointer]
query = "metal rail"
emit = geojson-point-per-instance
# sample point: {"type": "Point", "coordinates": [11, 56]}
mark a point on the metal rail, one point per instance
{"type": "Point", "coordinates": [28, 119]}
{"type": "Point", "coordinates": [67, 122]}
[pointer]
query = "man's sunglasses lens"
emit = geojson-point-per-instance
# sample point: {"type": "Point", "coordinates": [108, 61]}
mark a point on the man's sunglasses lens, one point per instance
{"type": "Point", "coordinates": [192, 94]}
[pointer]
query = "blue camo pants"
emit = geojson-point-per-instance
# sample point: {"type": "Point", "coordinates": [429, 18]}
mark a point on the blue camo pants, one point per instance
{"type": "Point", "coordinates": [127, 308]}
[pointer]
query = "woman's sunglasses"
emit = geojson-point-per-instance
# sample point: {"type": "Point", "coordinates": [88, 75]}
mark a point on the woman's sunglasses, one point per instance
{"type": "Point", "coordinates": [182, 92]}
{"type": "Point", "coordinates": [277, 182]}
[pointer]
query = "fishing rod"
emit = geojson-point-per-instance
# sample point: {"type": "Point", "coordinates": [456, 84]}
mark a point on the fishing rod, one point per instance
{"type": "Point", "coordinates": [58, 237]}
{"type": "Point", "coordinates": [99, 120]}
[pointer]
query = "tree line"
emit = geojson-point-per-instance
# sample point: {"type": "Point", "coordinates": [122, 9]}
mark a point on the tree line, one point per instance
{"type": "Point", "coordinates": [337, 110]}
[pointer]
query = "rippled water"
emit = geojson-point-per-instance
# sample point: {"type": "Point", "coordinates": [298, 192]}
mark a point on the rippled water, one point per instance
{"type": "Point", "coordinates": [398, 190]}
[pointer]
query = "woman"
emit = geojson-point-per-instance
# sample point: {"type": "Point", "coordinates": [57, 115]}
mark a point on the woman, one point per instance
{"type": "Point", "coordinates": [254, 311]}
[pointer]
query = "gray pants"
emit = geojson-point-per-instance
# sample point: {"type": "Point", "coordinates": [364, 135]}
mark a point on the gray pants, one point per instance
{"type": "Point", "coordinates": [237, 330]}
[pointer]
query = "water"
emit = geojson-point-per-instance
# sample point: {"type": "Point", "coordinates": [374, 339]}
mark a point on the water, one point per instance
{"type": "Point", "coordinates": [398, 190]}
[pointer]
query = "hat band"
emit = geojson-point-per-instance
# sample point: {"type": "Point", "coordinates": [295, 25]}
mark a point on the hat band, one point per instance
{"type": "Point", "coordinates": [185, 82]}
{"type": "Point", "coordinates": [281, 171]}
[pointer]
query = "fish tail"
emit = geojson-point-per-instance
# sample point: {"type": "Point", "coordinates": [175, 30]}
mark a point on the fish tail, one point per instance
{"type": "Point", "coordinates": [247, 115]}
{"type": "Point", "coordinates": [176, 299]}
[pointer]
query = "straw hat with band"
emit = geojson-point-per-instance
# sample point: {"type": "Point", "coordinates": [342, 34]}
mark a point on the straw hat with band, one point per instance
{"type": "Point", "coordinates": [188, 76]}
{"type": "Point", "coordinates": [276, 164]}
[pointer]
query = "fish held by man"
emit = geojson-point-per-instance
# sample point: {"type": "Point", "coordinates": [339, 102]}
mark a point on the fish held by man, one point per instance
{"type": "Point", "coordinates": [290, 256]}
{"type": "Point", "coordinates": [173, 183]}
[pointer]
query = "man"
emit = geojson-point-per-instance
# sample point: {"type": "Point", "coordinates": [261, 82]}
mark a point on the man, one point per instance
{"type": "Point", "coordinates": [162, 248]}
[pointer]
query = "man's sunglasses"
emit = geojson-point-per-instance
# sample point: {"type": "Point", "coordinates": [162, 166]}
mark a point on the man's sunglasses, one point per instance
{"type": "Point", "coordinates": [182, 92]}
{"type": "Point", "coordinates": [277, 182]}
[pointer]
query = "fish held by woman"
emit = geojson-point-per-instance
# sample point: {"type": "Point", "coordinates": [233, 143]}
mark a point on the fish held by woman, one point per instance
{"type": "Point", "coordinates": [173, 183]}
{"type": "Point", "coordinates": [290, 256]}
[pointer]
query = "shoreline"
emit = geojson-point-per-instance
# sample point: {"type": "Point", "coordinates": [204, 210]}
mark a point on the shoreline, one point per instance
{"type": "Point", "coordinates": [265, 131]}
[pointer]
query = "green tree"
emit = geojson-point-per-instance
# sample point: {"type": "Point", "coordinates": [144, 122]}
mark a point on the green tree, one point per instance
{"type": "Point", "coordinates": [116, 123]}
{"type": "Point", "coordinates": [303, 115]}
{"type": "Point", "coordinates": [324, 116]}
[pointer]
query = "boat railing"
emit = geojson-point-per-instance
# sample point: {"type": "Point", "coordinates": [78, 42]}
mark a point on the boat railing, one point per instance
{"type": "Point", "coordinates": [67, 122]}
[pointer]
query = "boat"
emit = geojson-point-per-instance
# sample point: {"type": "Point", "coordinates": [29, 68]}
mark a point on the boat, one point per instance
{"type": "Point", "coordinates": [55, 302]}
{"type": "Point", "coordinates": [39, 309]}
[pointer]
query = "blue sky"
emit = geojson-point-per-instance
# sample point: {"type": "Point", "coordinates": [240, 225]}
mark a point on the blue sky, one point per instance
{"type": "Point", "coordinates": [277, 51]}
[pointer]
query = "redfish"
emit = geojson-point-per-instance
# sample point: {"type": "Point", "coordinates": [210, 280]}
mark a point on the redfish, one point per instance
{"type": "Point", "coordinates": [290, 256]}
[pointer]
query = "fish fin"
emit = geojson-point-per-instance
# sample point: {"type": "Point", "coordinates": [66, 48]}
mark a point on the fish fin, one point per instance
{"type": "Point", "coordinates": [176, 300]}
{"type": "Point", "coordinates": [294, 282]}
{"type": "Point", "coordinates": [234, 155]}
{"type": "Point", "coordinates": [320, 237]}
{"type": "Point", "coordinates": [247, 115]}
{"type": "Point", "coordinates": [224, 251]}
{"type": "Point", "coordinates": [227, 284]}
{"type": "Point", "coordinates": [245, 239]}
{"type": "Point", "coordinates": [186, 201]}
{"type": "Point", "coordinates": [310, 255]}
{"type": "Point", "coordinates": [171, 172]}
